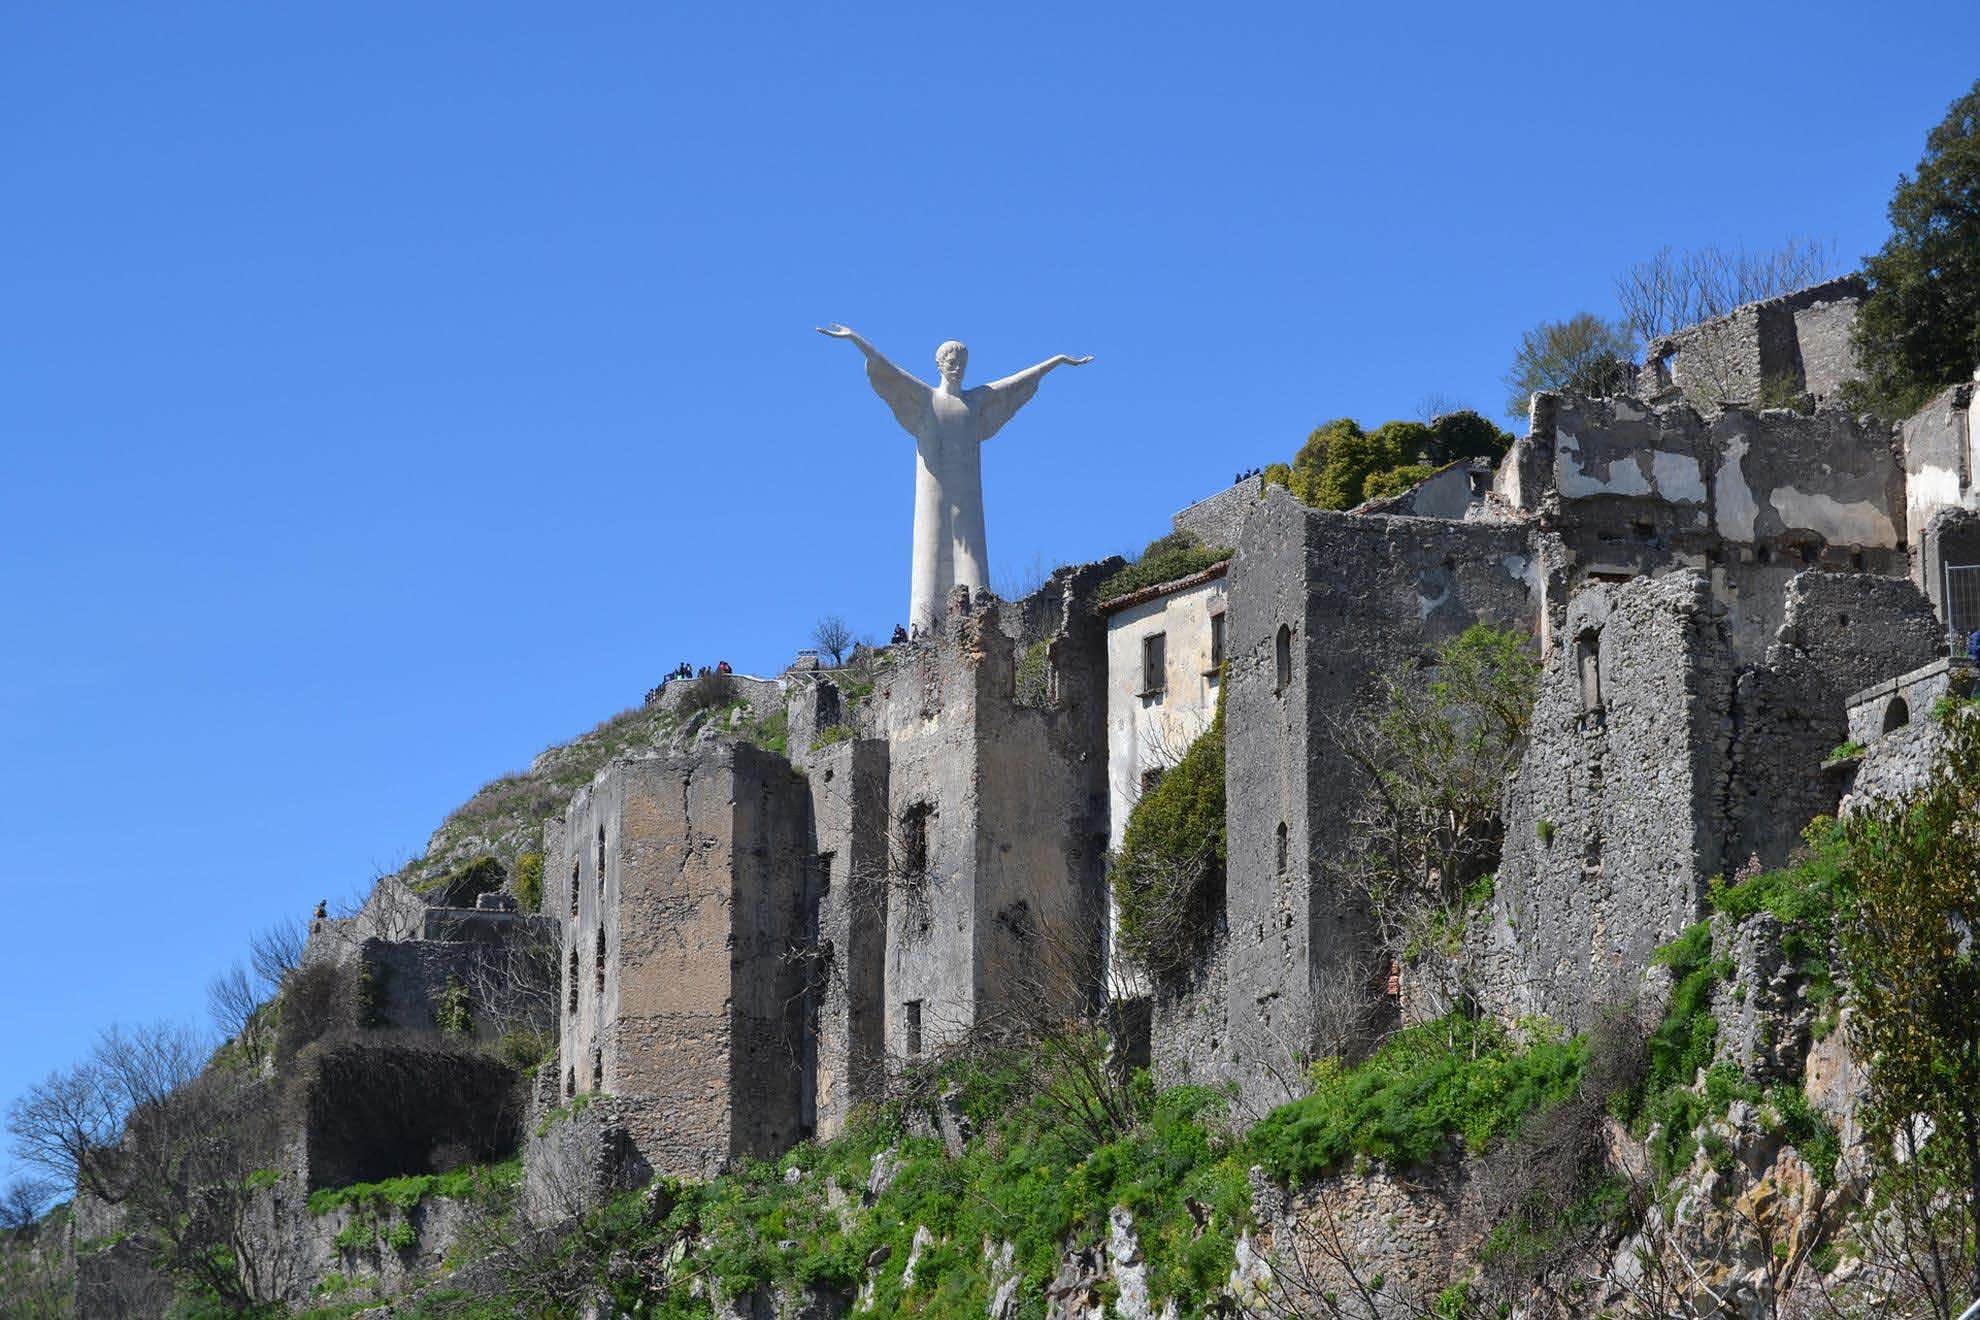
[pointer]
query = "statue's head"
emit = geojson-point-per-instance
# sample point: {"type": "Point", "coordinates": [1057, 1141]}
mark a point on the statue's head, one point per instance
{"type": "Point", "coordinates": [950, 359]}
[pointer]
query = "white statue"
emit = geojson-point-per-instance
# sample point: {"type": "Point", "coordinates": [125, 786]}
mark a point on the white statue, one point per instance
{"type": "Point", "coordinates": [949, 425]}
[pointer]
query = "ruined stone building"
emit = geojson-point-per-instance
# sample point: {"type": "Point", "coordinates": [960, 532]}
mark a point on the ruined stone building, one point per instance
{"type": "Point", "coordinates": [748, 945]}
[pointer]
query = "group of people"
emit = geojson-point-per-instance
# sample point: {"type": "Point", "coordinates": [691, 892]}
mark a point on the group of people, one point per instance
{"type": "Point", "coordinates": [1246, 476]}
{"type": "Point", "coordinates": [685, 670]}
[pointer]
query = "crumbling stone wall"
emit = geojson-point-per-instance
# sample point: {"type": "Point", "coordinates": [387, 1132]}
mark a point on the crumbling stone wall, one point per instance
{"type": "Point", "coordinates": [1353, 595]}
{"type": "Point", "coordinates": [849, 794]}
{"type": "Point", "coordinates": [378, 1105]}
{"type": "Point", "coordinates": [1751, 498]}
{"type": "Point", "coordinates": [1799, 341]}
{"type": "Point", "coordinates": [683, 961]}
{"type": "Point", "coordinates": [1614, 822]}
{"type": "Point", "coordinates": [996, 810]}
{"type": "Point", "coordinates": [1215, 520]}
{"type": "Point", "coordinates": [1841, 630]}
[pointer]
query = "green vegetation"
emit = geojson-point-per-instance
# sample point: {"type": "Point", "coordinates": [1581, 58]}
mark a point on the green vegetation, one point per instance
{"type": "Point", "coordinates": [529, 881]}
{"type": "Point", "coordinates": [1167, 558]}
{"type": "Point", "coordinates": [462, 885]}
{"type": "Point", "coordinates": [454, 1014]}
{"type": "Point", "coordinates": [1910, 882]}
{"type": "Point", "coordinates": [405, 1193]}
{"type": "Point", "coordinates": [1426, 1085]}
{"type": "Point", "coordinates": [575, 1106]}
{"type": "Point", "coordinates": [831, 733]}
{"type": "Point", "coordinates": [1032, 1176]}
{"type": "Point", "coordinates": [1341, 466]}
{"type": "Point", "coordinates": [1032, 683]}
{"type": "Point", "coordinates": [1168, 877]}
{"type": "Point", "coordinates": [1919, 330]}
{"type": "Point", "coordinates": [1843, 751]}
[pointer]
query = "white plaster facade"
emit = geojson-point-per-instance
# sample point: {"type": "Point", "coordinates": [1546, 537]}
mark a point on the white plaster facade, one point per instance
{"type": "Point", "coordinates": [1154, 715]}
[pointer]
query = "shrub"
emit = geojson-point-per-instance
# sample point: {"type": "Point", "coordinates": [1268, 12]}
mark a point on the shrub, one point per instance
{"type": "Point", "coordinates": [1843, 751]}
{"type": "Point", "coordinates": [1340, 465]}
{"type": "Point", "coordinates": [831, 733]}
{"type": "Point", "coordinates": [1404, 1105]}
{"type": "Point", "coordinates": [529, 881]}
{"type": "Point", "coordinates": [1032, 681]}
{"type": "Point", "coordinates": [1177, 555]}
{"type": "Point", "coordinates": [454, 1013]}
{"type": "Point", "coordinates": [709, 692]}
{"type": "Point", "coordinates": [1168, 877]}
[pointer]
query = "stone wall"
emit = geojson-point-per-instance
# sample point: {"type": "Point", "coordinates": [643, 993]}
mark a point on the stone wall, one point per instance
{"type": "Point", "coordinates": [1215, 520]}
{"type": "Point", "coordinates": [379, 1105]}
{"type": "Point", "coordinates": [1319, 604]}
{"type": "Point", "coordinates": [1752, 498]}
{"type": "Point", "coordinates": [1841, 630]}
{"type": "Point", "coordinates": [849, 795]}
{"type": "Point", "coordinates": [996, 807]}
{"type": "Point", "coordinates": [1612, 825]}
{"type": "Point", "coordinates": [501, 967]}
{"type": "Point", "coordinates": [1799, 341]}
{"type": "Point", "coordinates": [684, 986]}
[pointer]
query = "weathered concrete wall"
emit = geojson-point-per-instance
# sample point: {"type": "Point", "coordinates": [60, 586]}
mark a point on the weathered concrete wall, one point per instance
{"type": "Point", "coordinates": [848, 784]}
{"type": "Point", "coordinates": [1613, 823]}
{"type": "Point", "coordinates": [1355, 595]}
{"type": "Point", "coordinates": [1215, 520]}
{"type": "Point", "coordinates": [689, 991]}
{"type": "Point", "coordinates": [1823, 333]}
{"type": "Point", "coordinates": [1151, 721]}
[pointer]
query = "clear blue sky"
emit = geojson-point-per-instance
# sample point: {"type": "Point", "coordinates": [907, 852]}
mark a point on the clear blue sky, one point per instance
{"type": "Point", "coordinates": [391, 391]}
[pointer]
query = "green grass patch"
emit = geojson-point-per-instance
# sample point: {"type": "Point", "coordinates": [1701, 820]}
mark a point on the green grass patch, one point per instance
{"type": "Point", "coordinates": [1426, 1089]}
{"type": "Point", "coordinates": [407, 1192]}
{"type": "Point", "coordinates": [1167, 558]}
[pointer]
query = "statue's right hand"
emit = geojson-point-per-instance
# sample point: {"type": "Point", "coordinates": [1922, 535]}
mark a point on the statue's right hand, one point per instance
{"type": "Point", "coordinates": [835, 330]}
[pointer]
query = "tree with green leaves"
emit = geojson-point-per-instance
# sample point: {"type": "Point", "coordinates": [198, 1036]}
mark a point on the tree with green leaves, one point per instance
{"type": "Point", "coordinates": [1341, 465]}
{"type": "Point", "coordinates": [1907, 934]}
{"type": "Point", "coordinates": [1919, 330]}
{"type": "Point", "coordinates": [1168, 877]}
{"type": "Point", "coordinates": [1584, 354]}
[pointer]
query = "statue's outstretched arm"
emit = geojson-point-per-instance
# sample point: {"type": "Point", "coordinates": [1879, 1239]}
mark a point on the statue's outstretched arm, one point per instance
{"type": "Point", "coordinates": [1030, 376]}
{"type": "Point", "coordinates": [837, 331]}
{"type": "Point", "coordinates": [906, 396]}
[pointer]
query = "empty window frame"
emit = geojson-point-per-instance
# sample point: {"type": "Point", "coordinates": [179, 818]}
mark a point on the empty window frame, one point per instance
{"type": "Point", "coordinates": [1154, 663]}
{"type": "Point", "coordinates": [1282, 658]}
{"type": "Point", "coordinates": [911, 1027]}
{"type": "Point", "coordinates": [913, 843]}
{"type": "Point", "coordinates": [1216, 641]}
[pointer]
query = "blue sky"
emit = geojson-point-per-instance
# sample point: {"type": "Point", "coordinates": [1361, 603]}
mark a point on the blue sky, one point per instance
{"type": "Point", "coordinates": [391, 391]}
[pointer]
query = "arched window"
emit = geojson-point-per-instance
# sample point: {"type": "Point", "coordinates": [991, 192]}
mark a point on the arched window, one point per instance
{"type": "Point", "coordinates": [570, 1082]}
{"type": "Point", "coordinates": [1282, 658]}
{"type": "Point", "coordinates": [1283, 849]}
{"type": "Point", "coordinates": [1896, 715]}
{"type": "Point", "coordinates": [1588, 661]}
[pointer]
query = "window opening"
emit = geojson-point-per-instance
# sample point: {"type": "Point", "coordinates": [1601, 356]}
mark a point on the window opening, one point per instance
{"type": "Point", "coordinates": [911, 1015]}
{"type": "Point", "coordinates": [1282, 657]}
{"type": "Point", "coordinates": [1154, 663]}
{"type": "Point", "coordinates": [1588, 661]}
{"type": "Point", "coordinates": [1284, 848]}
{"type": "Point", "coordinates": [601, 960]}
{"type": "Point", "coordinates": [1217, 640]}
{"type": "Point", "coordinates": [914, 839]}
{"type": "Point", "coordinates": [572, 979]}
{"type": "Point", "coordinates": [1896, 715]}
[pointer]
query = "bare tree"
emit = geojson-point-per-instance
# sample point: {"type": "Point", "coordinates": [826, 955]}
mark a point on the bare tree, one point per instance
{"type": "Point", "coordinates": [277, 950]}
{"type": "Point", "coordinates": [1675, 291]}
{"type": "Point", "coordinates": [834, 637]}
{"type": "Point", "coordinates": [177, 1148]}
{"type": "Point", "coordinates": [24, 1200]}
{"type": "Point", "coordinates": [241, 1015]}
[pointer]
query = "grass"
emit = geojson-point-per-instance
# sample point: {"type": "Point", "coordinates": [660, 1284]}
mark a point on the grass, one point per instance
{"type": "Point", "coordinates": [407, 1192]}
{"type": "Point", "coordinates": [1427, 1090]}
{"type": "Point", "coordinates": [1032, 1177]}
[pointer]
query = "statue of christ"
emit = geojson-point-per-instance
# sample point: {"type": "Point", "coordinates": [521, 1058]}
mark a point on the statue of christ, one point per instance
{"type": "Point", "coordinates": [949, 425]}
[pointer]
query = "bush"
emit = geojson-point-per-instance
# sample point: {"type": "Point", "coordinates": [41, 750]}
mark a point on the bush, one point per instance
{"type": "Point", "coordinates": [1406, 1103]}
{"type": "Point", "coordinates": [1584, 354]}
{"type": "Point", "coordinates": [1341, 466]}
{"type": "Point", "coordinates": [464, 884]}
{"type": "Point", "coordinates": [709, 692]}
{"type": "Point", "coordinates": [529, 881]}
{"type": "Point", "coordinates": [1168, 877]}
{"type": "Point", "coordinates": [1167, 558]}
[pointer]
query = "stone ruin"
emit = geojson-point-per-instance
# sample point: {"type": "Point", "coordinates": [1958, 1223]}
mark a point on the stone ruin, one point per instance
{"type": "Point", "coordinates": [746, 946]}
